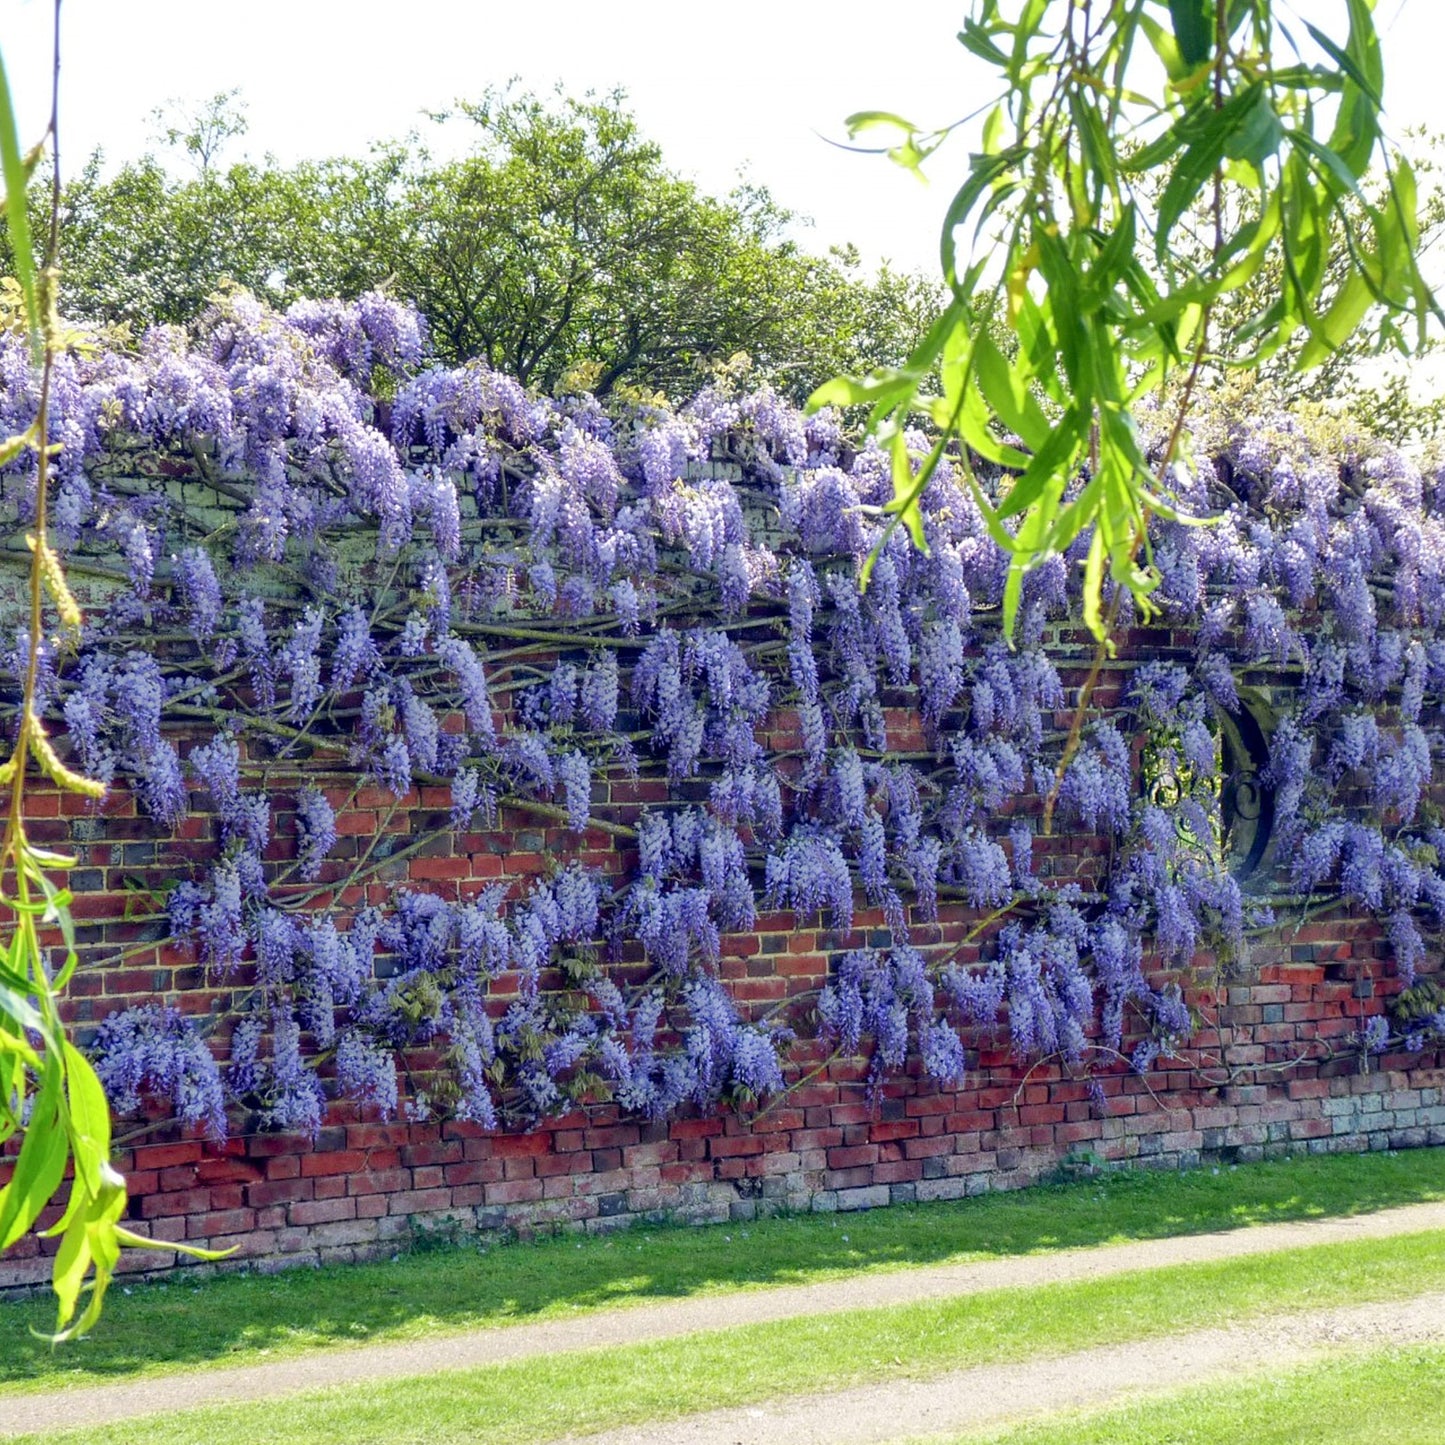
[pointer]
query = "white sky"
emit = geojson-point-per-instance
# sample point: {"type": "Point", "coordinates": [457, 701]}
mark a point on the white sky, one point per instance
{"type": "Point", "coordinates": [732, 85]}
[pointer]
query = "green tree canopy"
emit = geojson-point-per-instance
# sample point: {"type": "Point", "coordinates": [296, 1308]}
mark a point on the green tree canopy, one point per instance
{"type": "Point", "coordinates": [559, 238]}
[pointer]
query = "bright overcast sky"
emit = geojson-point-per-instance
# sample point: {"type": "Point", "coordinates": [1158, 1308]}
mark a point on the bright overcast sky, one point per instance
{"type": "Point", "coordinates": [744, 86]}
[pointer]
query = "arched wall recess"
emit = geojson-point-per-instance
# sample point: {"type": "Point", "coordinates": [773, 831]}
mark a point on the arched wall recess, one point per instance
{"type": "Point", "coordinates": [1246, 796]}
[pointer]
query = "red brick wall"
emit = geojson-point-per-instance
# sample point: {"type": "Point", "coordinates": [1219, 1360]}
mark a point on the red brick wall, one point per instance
{"type": "Point", "coordinates": [1274, 1068]}
{"type": "Point", "coordinates": [363, 1186]}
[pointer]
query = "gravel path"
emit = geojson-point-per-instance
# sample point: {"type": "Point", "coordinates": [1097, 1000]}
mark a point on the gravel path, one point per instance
{"type": "Point", "coordinates": [319, 1369]}
{"type": "Point", "coordinates": [908, 1410]}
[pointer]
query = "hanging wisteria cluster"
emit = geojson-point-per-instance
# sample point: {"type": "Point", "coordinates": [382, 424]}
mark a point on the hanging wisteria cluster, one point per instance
{"type": "Point", "coordinates": [392, 574]}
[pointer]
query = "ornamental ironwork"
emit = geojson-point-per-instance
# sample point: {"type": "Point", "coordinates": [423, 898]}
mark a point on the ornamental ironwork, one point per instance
{"type": "Point", "coordinates": [1246, 798]}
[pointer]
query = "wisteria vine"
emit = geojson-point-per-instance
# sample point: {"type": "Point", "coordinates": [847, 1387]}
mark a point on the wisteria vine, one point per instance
{"type": "Point", "coordinates": [317, 564]}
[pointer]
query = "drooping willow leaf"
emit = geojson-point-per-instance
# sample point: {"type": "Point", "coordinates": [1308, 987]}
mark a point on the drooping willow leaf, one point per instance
{"type": "Point", "coordinates": [1084, 287]}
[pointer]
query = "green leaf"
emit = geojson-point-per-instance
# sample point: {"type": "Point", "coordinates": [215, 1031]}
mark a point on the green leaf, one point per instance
{"type": "Point", "coordinates": [1038, 352]}
{"type": "Point", "coordinates": [973, 37]}
{"type": "Point", "coordinates": [1307, 77]}
{"type": "Point", "coordinates": [986, 169]}
{"type": "Point", "coordinates": [1404, 203]}
{"type": "Point", "coordinates": [141, 1241]}
{"type": "Point", "coordinates": [863, 120]}
{"type": "Point", "coordinates": [1153, 155]}
{"type": "Point", "coordinates": [1375, 275]}
{"type": "Point", "coordinates": [880, 388]}
{"type": "Point", "coordinates": [40, 1165]}
{"type": "Point", "coordinates": [1338, 323]}
{"type": "Point", "coordinates": [1259, 134]}
{"type": "Point", "coordinates": [1094, 585]}
{"type": "Point", "coordinates": [1342, 180]}
{"type": "Point", "coordinates": [16, 1046]}
{"type": "Point", "coordinates": [1055, 458]}
{"type": "Point", "coordinates": [1360, 59]}
{"type": "Point", "coordinates": [1115, 258]}
{"type": "Point", "coordinates": [1193, 29]}
{"type": "Point", "coordinates": [72, 1261]}
{"type": "Point", "coordinates": [16, 216]}
{"type": "Point", "coordinates": [1074, 330]}
{"type": "Point", "coordinates": [1357, 126]}
{"type": "Point", "coordinates": [971, 421]}
{"type": "Point", "coordinates": [1234, 13]}
{"type": "Point", "coordinates": [90, 1118]}
{"type": "Point", "coordinates": [1030, 547]}
{"type": "Point", "coordinates": [72, 960]}
{"type": "Point", "coordinates": [1007, 392]}
{"type": "Point", "coordinates": [16, 1006]}
{"type": "Point", "coordinates": [955, 367]}
{"type": "Point", "coordinates": [908, 153]}
{"type": "Point", "coordinates": [1075, 516]}
{"type": "Point", "coordinates": [886, 390]}
{"type": "Point", "coordinates": [90, 1239]}
{"type": "Point", "coordinates": [11, 447]}
{"type": "Point", "coordinates": [906, 491]}
{"type": "Point", "coordinates": [46, 858]}
{"type": "Point", "coordinates": [1166, 47]}
{"type": "Point", "coordinates": [1215, 133]}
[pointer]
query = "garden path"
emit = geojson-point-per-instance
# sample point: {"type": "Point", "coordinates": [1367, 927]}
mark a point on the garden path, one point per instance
{"type": "Point", "coordinates": [894, 1411]}
{"type": "Point", "coordinates": [100, 1404]}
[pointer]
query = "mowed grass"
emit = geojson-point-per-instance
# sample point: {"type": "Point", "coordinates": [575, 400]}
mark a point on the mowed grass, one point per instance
{"type": "Point", "coordinates": [152, 1328]}
{"type": "Point", "coordinates": [1385, 1397]}
{"type": "Point", "coordinates": [549, 1396]}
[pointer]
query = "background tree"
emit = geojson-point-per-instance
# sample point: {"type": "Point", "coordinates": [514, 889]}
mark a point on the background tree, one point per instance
{"type": "Point", "coordinates": [560, 237]}
{"type": "Point", "coordinates": [206, 131]}
{"type": "Point", "coordinates": [140, 247]}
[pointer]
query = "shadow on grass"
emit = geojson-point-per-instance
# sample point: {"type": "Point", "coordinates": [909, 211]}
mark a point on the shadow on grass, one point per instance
{"type": "Point", "coordinates": [182, 1323]}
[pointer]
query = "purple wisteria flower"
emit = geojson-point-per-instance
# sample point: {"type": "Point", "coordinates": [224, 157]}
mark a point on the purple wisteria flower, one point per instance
{"type": "Point", "coordinates": [634, 618]}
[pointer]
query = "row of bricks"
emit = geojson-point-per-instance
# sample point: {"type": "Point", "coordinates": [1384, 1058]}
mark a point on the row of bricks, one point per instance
{"type": "Point", "coordinates": [804, 1105]}
{"type": "Point", "coordinates": [292, 1229]}
{"type": "Point", "coordinates": [814, 1106]}
{"type": "Point", "coordinates": [310, 1222]}
{"type": "Point", "coordinates": [805, 1151]}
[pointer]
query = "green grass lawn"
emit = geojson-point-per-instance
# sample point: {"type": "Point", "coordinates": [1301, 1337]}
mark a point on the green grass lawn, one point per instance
{"type": "Point", "coordinates": [548, 1396]}
{"type": "Point", "coordinates": [233, 1319]}
{"type": "Point", "coordinates": [1387, 1397]}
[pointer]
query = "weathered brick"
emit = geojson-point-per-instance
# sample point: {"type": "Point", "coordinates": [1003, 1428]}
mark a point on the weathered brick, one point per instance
{"type": "Point", "coordinates": [224, 1221]}
{"type": "Point", "coordinates": [827, 1145]}
{"type": "Point", "coordinates": [278, 1191]}
{"type": "Point", "coordinates": [321, 1211]}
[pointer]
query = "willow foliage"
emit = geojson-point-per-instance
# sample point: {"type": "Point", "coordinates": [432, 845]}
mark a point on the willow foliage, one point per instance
{"type": "Point", "coordinates": [1073, 294]}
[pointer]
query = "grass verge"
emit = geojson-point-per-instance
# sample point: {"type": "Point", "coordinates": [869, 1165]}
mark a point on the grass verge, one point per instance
{"type": "Point", "coordinates": [182, 1323]}
{"type": "Point", "coordinates": [1319, 1403]}
{"type": "Point", "coordinates": [543, 1398]}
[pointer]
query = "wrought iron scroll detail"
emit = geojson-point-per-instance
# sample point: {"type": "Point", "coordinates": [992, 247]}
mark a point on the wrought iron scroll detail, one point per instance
{"type": "Point", "coordinates": [1246, 798]}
